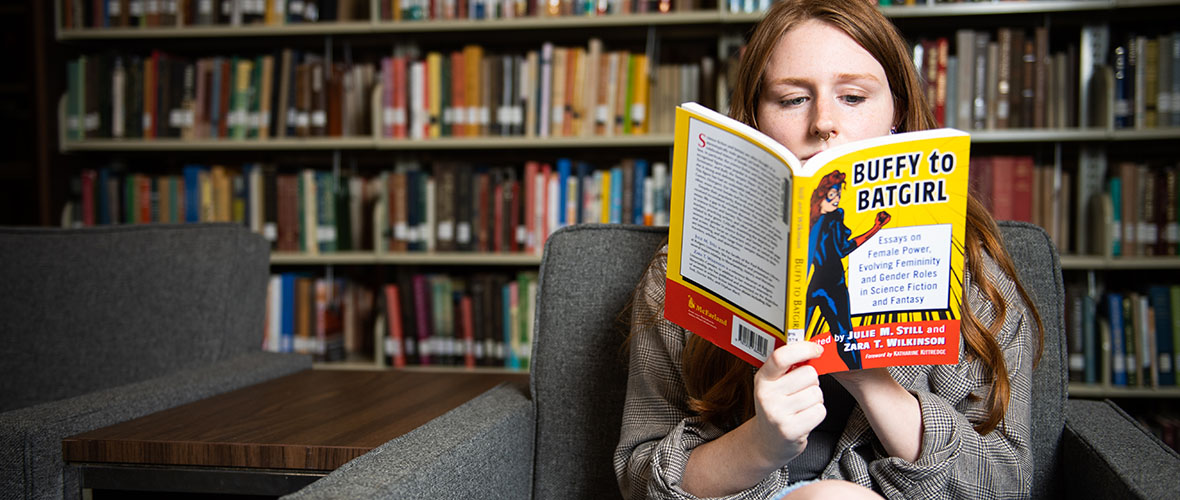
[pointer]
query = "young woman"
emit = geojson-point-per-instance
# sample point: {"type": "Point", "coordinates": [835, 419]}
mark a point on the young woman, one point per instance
{"type": "Point", "coordinates": [699, 422]}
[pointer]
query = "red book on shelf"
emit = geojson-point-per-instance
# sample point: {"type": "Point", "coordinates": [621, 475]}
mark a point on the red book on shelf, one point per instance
{"type": "Point", "coordinates": [393, 311]}
{"type": "Point", "coordinates": [1003, 170]}
{"type": "Point", "coordinates": [144, 188]}
{"type": "Point", "coordinates": [515, 224]}
{"type": "Point", "coordinates": [223, 96]}
{"type": "Point", "coordinates": [498, 243]}
{"type": "Point", "coordinates": [1022, 188]}
{"type": "Point", "coordinates": [89, 179]}
{"type": "Point", "coordinates": [467, 323]}
{"type": "Point", "coordinates": [483, 209]}
{"type": "Point", "coordinates": [423, 313]}
{"type": "Point", "coordinates": [531, 197]}
{"type": "Point", "coordinates": [400, 109]}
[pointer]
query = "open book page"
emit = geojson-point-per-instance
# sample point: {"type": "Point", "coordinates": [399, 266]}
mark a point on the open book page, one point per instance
{"type": "Point", "coordinates": [877, 250]}
{"type": "Point", "coordinates": [728, 242]}
{"type": "Point", "coordinates": [860, 250]}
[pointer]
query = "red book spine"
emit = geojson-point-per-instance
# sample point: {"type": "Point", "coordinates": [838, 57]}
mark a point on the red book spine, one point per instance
{"type": "Point", "coordinates": [1003, 170]}
{"type": "Point", "coordinates": [1022, 185]}
{"type": "Point", "coordinates": [531, 197]}
{"type": "Point", "coordinates": [400, 110]}
{"type": "Point", "coordinates": [422, 311]}
{"type": "Point", "coordinates": [144, 195]}
{"type": "Point", "coordinates": [498, 219]}
{"type": "Point", "coordinates": [89, 178]}
{"type": "Point", "coordinates": [468, 325]}
{"type": "Point", "coordinates": [514, 241]}
{"type": "Point", "coordinates": [393, 309]}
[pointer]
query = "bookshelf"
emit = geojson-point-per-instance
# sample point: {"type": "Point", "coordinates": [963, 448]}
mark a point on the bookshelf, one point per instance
{"type": "Point", "coordinates": [1063, 150]}
{"type": "Point", "coordinates": [361, 144]}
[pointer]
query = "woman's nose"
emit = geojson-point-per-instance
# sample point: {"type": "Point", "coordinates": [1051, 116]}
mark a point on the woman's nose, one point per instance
{"type": "Point", "coordinates": [823, 124]}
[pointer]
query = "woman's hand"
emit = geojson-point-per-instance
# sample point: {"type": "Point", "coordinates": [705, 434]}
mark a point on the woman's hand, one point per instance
{"type": "Point", "coordinates": [788, 402]}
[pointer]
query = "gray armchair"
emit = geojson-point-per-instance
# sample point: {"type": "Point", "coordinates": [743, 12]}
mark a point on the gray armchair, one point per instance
{"type": "Point", "coordinates": [558, 441]}
{"type": "Point", "coordinates": [104, 325]}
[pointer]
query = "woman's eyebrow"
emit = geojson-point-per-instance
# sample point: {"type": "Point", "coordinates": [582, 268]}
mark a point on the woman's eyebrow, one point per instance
{"type": "Point", "coordinates": [840, 77]}
{"type": "Point", "coordinates": [793, 81]}
{"type": "Point", "coordinates": [848, 77]}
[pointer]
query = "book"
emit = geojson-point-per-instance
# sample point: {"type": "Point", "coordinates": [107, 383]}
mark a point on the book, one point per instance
{"type": "Point", "coordinates": [761, 253]}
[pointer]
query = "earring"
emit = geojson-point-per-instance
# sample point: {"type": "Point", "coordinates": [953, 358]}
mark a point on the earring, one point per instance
{"type": "Point", "coordinates": [893, 130]}
{"type": "Point", "coordinates": [825, 136]}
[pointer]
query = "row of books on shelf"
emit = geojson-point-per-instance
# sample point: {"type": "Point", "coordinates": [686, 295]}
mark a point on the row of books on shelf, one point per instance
{"type": "Point", "coordinates": [1130, 212]}
{"type": "Point", "coordinates": [1018, 188]}
{"type": "Point", "coordinates": [1146, 72]}
{"type": "Point", "coordinates": [180, 13]}
{"type": "Point", "coordinates": [1123, 338]}
{"type": "Point", "coordinates": [424, 319]}
{"type": "Point", "coordinates": [448, 207]}
{"type": "Point", "coordinates": [1002, 80]}
{"type": "Point", "coordinates": [550, 92]}
{"type": "Point", "coordinates": [76, 14]}
{"type": "Point", "coordinates": [1011, 79]}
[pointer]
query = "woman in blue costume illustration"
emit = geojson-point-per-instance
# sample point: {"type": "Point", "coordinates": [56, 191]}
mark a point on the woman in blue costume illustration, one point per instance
{"type": "Point", "coordinates": [830, 242]}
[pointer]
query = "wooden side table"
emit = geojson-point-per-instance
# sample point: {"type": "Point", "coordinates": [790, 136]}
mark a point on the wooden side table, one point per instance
{"type": "Point", "coordinates": [272, 438]}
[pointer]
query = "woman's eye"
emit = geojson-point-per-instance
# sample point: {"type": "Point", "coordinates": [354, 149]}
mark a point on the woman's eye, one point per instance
{"type": "Point", "coordinates": [794, 101]}
{"type": "Point", "coordinates": [853, 99]}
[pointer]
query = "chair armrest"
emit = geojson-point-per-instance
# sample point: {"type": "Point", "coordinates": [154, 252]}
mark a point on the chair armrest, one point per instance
{"type": "Point", "coordinates": [482, 449]}
{"type": "Point", "coordinates": [1107, 454]}
{"type": "Point", "coordinates": [30, 438]}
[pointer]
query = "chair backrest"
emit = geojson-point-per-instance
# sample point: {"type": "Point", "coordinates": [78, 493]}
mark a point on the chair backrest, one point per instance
{"type": "Point", "coordinates": [89, 309]}
{"type": "Point", "coordinates": [1039, 268]}
{"type": "Point", "coordinates": [579, 376]}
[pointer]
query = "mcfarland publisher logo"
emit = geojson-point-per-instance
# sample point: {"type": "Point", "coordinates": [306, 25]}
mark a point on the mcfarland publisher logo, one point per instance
{"type": "Point", "coordinates": [705, 312]}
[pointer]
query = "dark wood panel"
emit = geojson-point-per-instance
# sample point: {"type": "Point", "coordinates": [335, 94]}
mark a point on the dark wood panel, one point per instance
{"type": "Point", "coordinates": [312, 420]}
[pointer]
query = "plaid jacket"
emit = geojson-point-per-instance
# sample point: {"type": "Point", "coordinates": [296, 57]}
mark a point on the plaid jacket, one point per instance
{"type": "Point", "coordinates": [659, 432]}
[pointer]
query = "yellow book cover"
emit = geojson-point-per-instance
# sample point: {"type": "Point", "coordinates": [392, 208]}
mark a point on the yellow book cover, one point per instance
{"type": "Point", "coordinates": [859, 249]}
{"type": "Point", "coordinates": [434, 83]}
{"type": "Point", "coordinates": [604, 197]}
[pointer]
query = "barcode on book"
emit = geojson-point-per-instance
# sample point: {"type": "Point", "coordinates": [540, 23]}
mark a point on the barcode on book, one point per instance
{"type": "Point", "coordinates": [750, 339]}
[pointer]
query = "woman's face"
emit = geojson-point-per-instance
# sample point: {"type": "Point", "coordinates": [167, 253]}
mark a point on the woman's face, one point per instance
{"type": "Point", "coordinates": [820, 83]}
{"type": "Point", "coordinates": [831, 201]}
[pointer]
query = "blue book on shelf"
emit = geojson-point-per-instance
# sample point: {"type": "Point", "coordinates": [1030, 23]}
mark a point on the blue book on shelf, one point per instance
{"type": "Point", "coordinates": [616, 195]}
{"type": "Point", "coordinates": [192, 193]}
{"type": "Point", "coordinates": [637, 198]}
{"type": "Point", "coordinates": [1160, 298]}
{"type": "Point", "coordinates": [103, 196]}
{"type": "Point", "coordinates": [287, 318]}
{"type": "Point", "coordinates": [215, 98]}
{"type": "Point", "coordinates": [583, 176]}
{"type": "Point", "coordinates": [1090, 339]}
{"type": "Point", "coordinates": [563, 192]}
{"type": "Point", "coordinates": [510, 359]}
{"type": "Point", "coordinates": [1115, 188]}
{"type": "Point", "coordinates": [1118, 352]}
